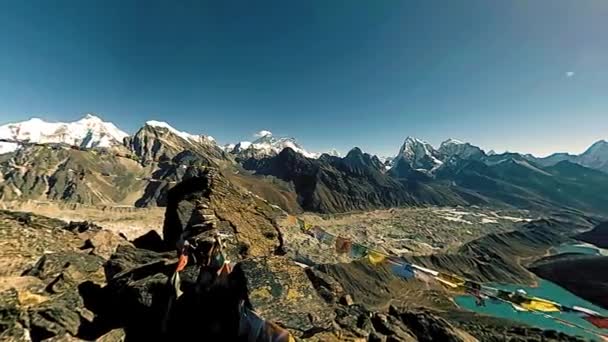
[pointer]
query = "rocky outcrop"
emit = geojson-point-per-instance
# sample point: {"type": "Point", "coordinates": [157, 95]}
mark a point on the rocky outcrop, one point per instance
{"type": "Point", "coordinates": [280, 291]}
{"type": "Point", "coordinates": [48, 276]}
{"type": "Point", "coordinates": [210, 200]}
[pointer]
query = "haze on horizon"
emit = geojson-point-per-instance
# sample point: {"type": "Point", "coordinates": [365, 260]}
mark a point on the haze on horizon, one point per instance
{"type": "Point", "coordinates": [523, 76]}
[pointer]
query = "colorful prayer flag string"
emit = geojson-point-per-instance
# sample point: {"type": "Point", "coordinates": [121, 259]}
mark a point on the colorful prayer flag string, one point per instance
{"type": "Point", "coordinates": [519, 301]}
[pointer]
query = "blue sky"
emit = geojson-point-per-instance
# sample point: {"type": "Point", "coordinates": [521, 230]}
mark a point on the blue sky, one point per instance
{"type": "Point", "coordinates": [528, 76]}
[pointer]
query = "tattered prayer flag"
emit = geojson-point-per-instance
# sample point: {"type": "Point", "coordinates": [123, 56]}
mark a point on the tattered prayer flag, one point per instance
{"type": "Point", "coordinates": [307, 225]}
{"type": "Point", "coordinates": [182, 262]}
{"type": "Point", "coordinates": [357, 251]}
{"type": "Point", "coordinates": [375, 257]}
{"type": "Point", "coordinates": [600, 322]}
{"type": "Point", "coordinates": [176, 284]}
{"type": "Point", "coordinates": [343, 245]}
{"type": "Point", "coordinates": [404, 271]}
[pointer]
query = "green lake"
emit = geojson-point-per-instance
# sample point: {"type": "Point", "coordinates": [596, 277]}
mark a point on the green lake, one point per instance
{"type": "Point", "coordinates": [547, 290]}
{"type": "Point", "coordinates": [577, 249]}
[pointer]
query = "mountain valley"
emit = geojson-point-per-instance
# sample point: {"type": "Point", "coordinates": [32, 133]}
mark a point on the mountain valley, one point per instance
{"type": "Point", "coordinates": [89, 225]}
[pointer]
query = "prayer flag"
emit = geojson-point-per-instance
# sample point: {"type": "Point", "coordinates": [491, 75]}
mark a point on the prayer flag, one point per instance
{"type": "Point", "coordinates": [318, 232]}
{"type": "Point", "coordinates": [449, 278]}
{"type": "Point", "coordinates": [357, 251]}
{"type": "Point", "coordinates": [586, 311]}
{"type": "Point", "coordinates": [375, 257]}
{"type": "Point", "coordinates": [343, 245]}
{"type": "Point", "coordinates": [404, 271]}
{"type": "Point", "coordinates": [600, 322]}
{"type": "Point", "coordinates": [426, 270]}
{"type": "Point", "coordinates": [539, 304]}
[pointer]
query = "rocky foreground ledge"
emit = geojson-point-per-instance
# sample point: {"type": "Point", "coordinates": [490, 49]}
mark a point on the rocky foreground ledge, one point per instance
{"type": "Point", "coordinates": [69, 282]}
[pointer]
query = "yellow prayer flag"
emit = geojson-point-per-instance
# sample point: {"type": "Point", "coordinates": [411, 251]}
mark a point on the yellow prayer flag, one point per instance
{"type": "Point", "coordinates": [375, 257]}
{"type": "Point", "coordinates": [450, 278]}
{"type": "Point", "coordinates": [539, 304]}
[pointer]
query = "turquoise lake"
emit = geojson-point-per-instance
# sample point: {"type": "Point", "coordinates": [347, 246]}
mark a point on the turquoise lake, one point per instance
{"type": "Point", "coordinates": [576, 249]}
{"type": "Point", "coordinates": [547, 290]}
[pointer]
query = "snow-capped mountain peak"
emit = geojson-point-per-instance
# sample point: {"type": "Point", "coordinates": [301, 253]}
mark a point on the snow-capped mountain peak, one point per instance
{"type": "Point", "coordinates": [464, 150]}
{"type": "Point", "coordinates": [595, 156]}
{"type": "Point", "coordinates": [452, 141]}
{"type": "Point", "coordinates": [184, 135]}
{"type": "Point", "coordinates": [267, 145]}
{"type": "Point", "coordinates": [89, 131]}
{"type": "Point", "coordinates": [419, 154]}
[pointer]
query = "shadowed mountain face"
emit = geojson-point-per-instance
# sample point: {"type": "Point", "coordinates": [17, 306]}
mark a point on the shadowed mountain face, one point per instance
{"type": "Point", "coordinates": [597, 236]}
{"type": "Point", "coordinates": [358, 182]}
{"type": "Point", "coordinates": [152, 143]}
{"type": "Point", "coordinates": [355, 182]}
{"type": "Point", "coordinates": [590, 282]}
{"type": "Point", "coordinates": [521, 183]}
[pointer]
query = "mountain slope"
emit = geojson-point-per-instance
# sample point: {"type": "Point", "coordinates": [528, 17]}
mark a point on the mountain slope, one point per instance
{"type": "Point", "coordinates": [513, 180]}
{"type": "Point", "coordinates": [598, 236]}
{"type": "Point", "coordinates": [158, 141]}
{"type": "Point", "coordinates": [596, 156]}
{"type": "Point", "coordinates": [70, 175]}
{"type": "Point", "coordinates": [355, 182]}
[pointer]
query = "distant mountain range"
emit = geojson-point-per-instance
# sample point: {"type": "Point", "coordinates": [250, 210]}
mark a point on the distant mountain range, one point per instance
{"type": "Point", "coordinates": [110, 167]}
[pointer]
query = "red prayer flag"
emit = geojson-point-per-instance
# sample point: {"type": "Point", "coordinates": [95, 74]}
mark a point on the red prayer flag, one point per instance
{"type": "Point", "coordinates": [600, 322]}
{"type": "Point", "coordinates": [343, 245]}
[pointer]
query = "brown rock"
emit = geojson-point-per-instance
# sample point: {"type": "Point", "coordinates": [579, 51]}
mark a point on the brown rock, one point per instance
{"type": "Point", "coordinates": [103, 242]}
{"type": "Point", "coordinates": [281, 292]}
{"type": "Point", "coordinates": [346, 300]}
{"type": "Point", "coordinates": [116, 335]}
